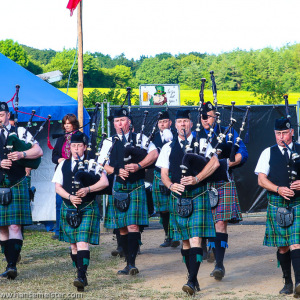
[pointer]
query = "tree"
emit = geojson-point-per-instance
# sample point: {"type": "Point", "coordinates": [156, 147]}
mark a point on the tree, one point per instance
{"type": "Point", "coordinates": [14, 51]}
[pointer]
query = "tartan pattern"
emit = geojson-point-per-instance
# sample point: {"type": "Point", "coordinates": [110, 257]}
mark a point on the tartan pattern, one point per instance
{"type": "Point", "coordinates": [18, 212]}
{"type": "Point", "coordinates": [276, 236]}
{"type": "Point", "coordinates": [228, 208]}
{"type": "Point", "coordinates": [89, 229]}
{"type": "Point", "coordinates": [161, 202]}
{"type": "Point", "coordinates": [137, 213]}
{"type": "Point", "coordinates": [200, 223]}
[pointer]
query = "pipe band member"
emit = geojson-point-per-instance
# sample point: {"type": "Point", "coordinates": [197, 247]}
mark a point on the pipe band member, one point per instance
{"type": "Point", "coordinates": [129, 182]}
{"type": "Point", "coordinates": [84, 200]}
{"type": "Point", "coordinates": [162, 200]}
{"type": "Point", "coordinates": [13, 175]}
{"type": "Point", "coordinates": [199, 224]}
{"type": "Point", "coordinates": [228, 207]}
{"type": "Point", "coordinates": [274, 175]}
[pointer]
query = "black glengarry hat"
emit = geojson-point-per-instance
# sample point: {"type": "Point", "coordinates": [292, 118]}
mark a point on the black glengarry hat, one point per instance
{"type": "Point", "coordinates": [207, 107]}
{"type": "Point", "coordinates": [4, 106]}
{"type": "Point", "coordinates": [79, 137]}
{"type": "Point", "coordinates": [12, 116]}
{"type": "Point", "coordinates": [119, 113]}
{"type": "Point", "coordinates": [183, 114]}
{"type": "Point", "coordinates": [164, 115]}
{"type": "Point", "coordinates": [282, 124]}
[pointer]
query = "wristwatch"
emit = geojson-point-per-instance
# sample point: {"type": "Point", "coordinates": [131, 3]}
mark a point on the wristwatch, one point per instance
{"type": "Point", "coordinates": [24, 154]}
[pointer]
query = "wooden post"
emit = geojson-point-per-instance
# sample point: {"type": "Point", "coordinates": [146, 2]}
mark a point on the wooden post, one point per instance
{"type": "Point", "coordinates": [80, 65]}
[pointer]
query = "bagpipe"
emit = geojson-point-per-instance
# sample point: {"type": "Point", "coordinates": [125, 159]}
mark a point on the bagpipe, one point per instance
{"type": "Point", "coordinates": [85, 177]}
{"type": "Point", "coordinates": [14, 143]}
{"type": "Point", "coordinates": [194, 163]}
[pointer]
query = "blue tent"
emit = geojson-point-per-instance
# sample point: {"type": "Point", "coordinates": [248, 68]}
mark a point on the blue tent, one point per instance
{"type": "Point", "coordinates": [34, 93]}
{"type": "Point", "coordinates": [44, 99]}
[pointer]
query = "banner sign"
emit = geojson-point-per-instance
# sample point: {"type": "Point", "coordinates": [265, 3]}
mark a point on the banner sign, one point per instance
{"type": "Point", "coordinates": [159, 94]}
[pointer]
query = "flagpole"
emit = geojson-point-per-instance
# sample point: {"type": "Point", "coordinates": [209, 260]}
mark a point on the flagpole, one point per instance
{"type": "Point", "coordinates": [80, 65]}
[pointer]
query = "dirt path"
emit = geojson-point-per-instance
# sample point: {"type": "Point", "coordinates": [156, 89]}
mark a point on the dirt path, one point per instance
{"type": "Point", "coordinates": [251, 269]}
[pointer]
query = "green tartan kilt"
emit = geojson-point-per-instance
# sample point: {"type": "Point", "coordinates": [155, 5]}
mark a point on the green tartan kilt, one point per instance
{"type": "Point", "coordinates": [200, 223]}
{"type": "Point", "coordinates": [228, 208]}
{"type": "Point", "coordinates": [161, 202]}
{"type": "Point", "coordinates": [276, 236]}
{"type": "Point", "coordinates": [18, 212]}
{"type": "Point", "coordinates": [89, 229]}
{"type": "Point", "coordinates": [137, 213]}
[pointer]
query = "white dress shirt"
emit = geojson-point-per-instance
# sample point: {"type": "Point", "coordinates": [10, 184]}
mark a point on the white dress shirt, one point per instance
{"type": "Point", "coordinates": [58, 176]}
{"type": "Point", "coordinates": [21, 131]}
{"type": "Point", "coordinates": [108, 142]}
{"type": "Point", "coordinates": [263, 164]}
{"type": "Point", "coordinates": [163, 158]}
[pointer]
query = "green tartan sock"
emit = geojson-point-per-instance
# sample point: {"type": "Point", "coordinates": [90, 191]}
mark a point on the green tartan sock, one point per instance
{"type": "Point", "coordinates": [74, 259]}
{"type": "Point", "coordinates": [196, 254]}
{"type": "Point", "coordinates": [295, 256]}
{"type": "Point", "coordinates": [83, 260]}
{"type": "Point", "coordinates": [14, 247]}
{"type": "Point", "coordinates": [285, 263]}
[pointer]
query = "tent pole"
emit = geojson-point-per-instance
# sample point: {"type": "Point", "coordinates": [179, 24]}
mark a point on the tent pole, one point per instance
{"type": "Point", "coordinates": [80, 65]}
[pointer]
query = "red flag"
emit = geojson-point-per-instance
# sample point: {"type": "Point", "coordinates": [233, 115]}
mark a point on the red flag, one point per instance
{"type": "Point", "coordinates": [72, 5]}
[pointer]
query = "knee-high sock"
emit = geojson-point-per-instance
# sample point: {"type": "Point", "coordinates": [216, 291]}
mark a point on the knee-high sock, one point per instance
{"type": "Point", "coordinates": [83, 260]}
{"type": "Point", "coordinates": [221, 243]}
{"type": "Point", "coordinates": [186, 258]}
{"type": "Point", "coordinates": [165, 218]}
{"type": "Point", "coordinates": [196, 254]}
{"type": "Point", "coordinates": [124, 245]}
{"type": "Point", "coordinates": [133, 246]}
{"type": "Point", "coordinates": [295, 256]}
{"type": "Point", "coordinates": [14, 247]}
{"type": "Point", "coordinates": [285, 263]}
{"type": "Point", "coordinates": [117, 232]}
{"type": "Point", "coordinates": [74, 259]}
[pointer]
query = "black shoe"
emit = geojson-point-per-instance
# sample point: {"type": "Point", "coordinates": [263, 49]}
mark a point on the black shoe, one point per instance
{"type": "Point", "coordinates": [118, 252]}
{"type": "Point", "coordinates": [189, 288]}
{"type": "Point", "coordinates": [54, 237]}
{"type": "Point", "coordinates": [297, 290]}
{"type": "Point", "coordinates": [132, 270]}
{"type": "Point", "coordinates": [210, 256]}
{"type": "Point", "coordinates": [125, 271]}
{"type": "Point", "coordinates": [4, 274]}
{"type": "Point", "coordinates": [218, 273]}
{"type": "Point", "coordinates": [175, 244]}
{"type": "Point", "coordinates": [166, 243]}
{"type": "Point", "coordinates": [287, 289]}
{"type": "Point", "coordinates": [80, 283]}
{"type": "Point", "coordinates": [12, 273]}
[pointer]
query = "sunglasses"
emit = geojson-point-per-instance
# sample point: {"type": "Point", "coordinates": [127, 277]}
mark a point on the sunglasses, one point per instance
{"type": "Point", "coordinates": [205, 116]}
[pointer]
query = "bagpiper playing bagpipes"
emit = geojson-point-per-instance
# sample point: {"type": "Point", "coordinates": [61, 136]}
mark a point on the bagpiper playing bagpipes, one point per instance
{"type": "Point", "coordinates": [127, 207]}
{"type": "Point", "coordinates": [232, 153]}
{"type": "Point", "coordinates": [18, 150]}
{"type": "Point", "coordinates": [77, 180]}
{"type": "Point", "coordinates": [279, 173]}
{"type": "Point", "coordinates": [191, 213]}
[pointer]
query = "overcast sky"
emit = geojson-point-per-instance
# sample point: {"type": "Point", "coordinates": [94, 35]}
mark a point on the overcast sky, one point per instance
{"type": "Point", "coordinates": [140, 27]}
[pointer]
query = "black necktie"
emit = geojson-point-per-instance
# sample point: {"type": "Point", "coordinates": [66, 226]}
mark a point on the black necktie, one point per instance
{"type": "Point", "coordinates": [76, 166]}
{"type": "Point", "coordinates": [286, 155]}
{"type": "Point", "coordinates": [2, 138]}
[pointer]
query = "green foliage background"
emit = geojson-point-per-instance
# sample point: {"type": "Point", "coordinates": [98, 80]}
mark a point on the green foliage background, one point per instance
{"type": "Point", "coordinates": [266, 74]}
